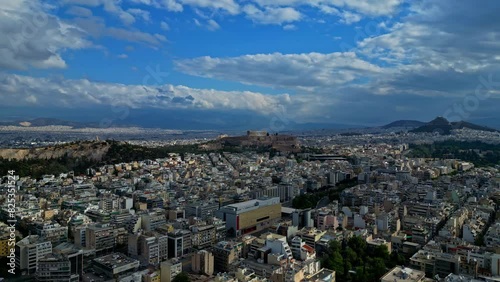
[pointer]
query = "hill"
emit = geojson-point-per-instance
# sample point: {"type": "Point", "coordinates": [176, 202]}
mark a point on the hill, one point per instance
{"type": "Point", "coordinates": [404, 123]}
{"type": "Point", "coordinates": [443, 126]}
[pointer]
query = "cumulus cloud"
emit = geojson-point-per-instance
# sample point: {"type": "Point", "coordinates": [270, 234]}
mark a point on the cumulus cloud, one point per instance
{"type": "Point", "coordinates": [299, 71]}
{"type": "Point", "coordinates": [33, 37]}
{"type": "Point", "coordinates": [79, 11]}
{"type": "Point", "coordinates": [366, 7]}
{"type": "Point", "coordinates": [144, 15]}
{"type": "Point", "coordinates": [430, 54]}
{"type": "Point", "coordinates": [230, 6]}
{"type": "Point", "coordinates": [272, 15]}
{"type": "Point", "coordinates": [97, 28]}
{"type": "Point", "coordinates": [111, 6]}
{"type": "Point", "coordinates": [350, 18]}
{"type": "Point", "coordinates": [20, 90]}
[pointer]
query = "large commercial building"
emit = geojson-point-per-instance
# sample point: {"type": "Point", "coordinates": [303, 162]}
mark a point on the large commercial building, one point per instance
{"type": "Point", "coordinates": [250, 216]}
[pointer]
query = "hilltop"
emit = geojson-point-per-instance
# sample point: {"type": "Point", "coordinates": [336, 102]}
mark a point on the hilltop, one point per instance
{"type": "Point", "coordinates": [443, 126]}
{"type": "Point", "coordinates": [404, 124]}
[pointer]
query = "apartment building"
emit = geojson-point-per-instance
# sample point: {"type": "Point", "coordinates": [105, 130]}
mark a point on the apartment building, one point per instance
{"type": "Point", "coordinates": [100, 237]}
{"type": "Point", "coordinates": [29, 251]}
{"type": "Point", "coordinates": [225, 253]}
{"type": "Point", "coordinates": [179, 243]}
{"type": "Point", "coordinates": [55, 268]}
{"type": "Point", "coordinates": [203, 262]}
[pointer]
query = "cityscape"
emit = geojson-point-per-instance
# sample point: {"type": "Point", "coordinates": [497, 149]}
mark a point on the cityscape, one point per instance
{"type": "Point", "coordinates": [249, 141]}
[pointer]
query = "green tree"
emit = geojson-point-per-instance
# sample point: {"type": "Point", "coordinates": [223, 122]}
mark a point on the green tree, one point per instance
{"type": "Point", "coordinates": [181, 277]}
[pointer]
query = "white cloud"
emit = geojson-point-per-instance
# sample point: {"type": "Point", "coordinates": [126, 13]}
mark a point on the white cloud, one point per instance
{"type": "Point", "coordinates": [212, 25]}
{"type": "Point", "coordinates": [79, 11]}
{"type": "Point", "coordinates": [350, 18]}
{"type": "Point", "coordinates": [111, 6]}
{"type": "Point", "coordinates": [56, 92]}
{"type": "Point", "coordinates": [289, 27]}
{"type": "Point", "coordinates": [164, 26]}
{"type": "Point", "coordinates": [172, 5]}
{"type": "Point", "coordinates": [122, 56]}
{"type": "Point", "coordinates": [365, 7]}
{"type": "Point", "coordinates": [272, 15]}
{"type": "Point", "coordinates": [430, 39]}
{"type": "Point", "coordinates": [96, 27]}
{"type": "Point", "coordinates": [229, 6]}
{"type": "Point", "coordinates": [33, 37]}
{"type": "Point", "coordinates": [297, 71]}
{"type": "Point", "coordinates": [140, 13]}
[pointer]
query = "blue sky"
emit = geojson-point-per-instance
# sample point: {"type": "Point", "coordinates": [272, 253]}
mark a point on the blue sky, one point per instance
{"type": "Point", "coordinates": [216, 61]}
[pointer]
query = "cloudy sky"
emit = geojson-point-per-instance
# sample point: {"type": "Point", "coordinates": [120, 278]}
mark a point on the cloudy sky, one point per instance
{"type": "Point", "coordinates": [217, 63]}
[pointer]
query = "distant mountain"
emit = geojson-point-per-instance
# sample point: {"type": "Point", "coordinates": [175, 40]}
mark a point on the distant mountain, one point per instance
{"type": "Point", "coordinates": [49, 122]}
{"type": "Point", "coordinates": [404, 123]}
{"type": "Point", "coordinates": [443, 126]}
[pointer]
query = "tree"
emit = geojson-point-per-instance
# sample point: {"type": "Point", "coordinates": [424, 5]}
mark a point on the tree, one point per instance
{"type": "Point", "coordinates": [181, 277]}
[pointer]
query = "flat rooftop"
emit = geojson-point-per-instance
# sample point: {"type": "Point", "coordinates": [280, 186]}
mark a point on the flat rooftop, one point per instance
{"type": "Point", "coordinates": [403, 274]}
{"type": "Point", "coordinates": [252, 204]}
{"type": "Point", "coordinates": [114, 260]}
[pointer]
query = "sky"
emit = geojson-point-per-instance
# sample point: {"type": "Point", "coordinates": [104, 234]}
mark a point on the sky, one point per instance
{"type": "Point", "coordinates": [265, 64]}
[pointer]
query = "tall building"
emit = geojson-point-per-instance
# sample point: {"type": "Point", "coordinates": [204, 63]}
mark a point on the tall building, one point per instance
{"type": "Point", "coordinates": [153, 220]}
{"type": "Point", "coordinates": [203, 236]}
{"type": "Point", "coordinates": [52, 232]}
{"type": "Point", "coordinates": [100, 237]}
{"type": "Point", "coordinates": [73, 254]}
{"type": "Point", "coordinates": [179, 243]}
{"type": "Point", "coordinates": [29, 250]}
{"type": "Point", "coordinates": [55, 268]}
{"type": "Point", "coordinates": [203, 262]}
{"type": "Point", "coordinates": [250, 216]}
{"type": "Point", "coordinates": [169, 269]}
{"type": "Point", "coordinates": [150, 247]}
{"type": "Point", "coordinates": [225, 253]}
{"type": "Point", "coordinates": [201, 210]}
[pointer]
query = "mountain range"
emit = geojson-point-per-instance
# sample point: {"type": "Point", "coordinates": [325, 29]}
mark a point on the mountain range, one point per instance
{"type": "Point", "coordinates": [439, 124]}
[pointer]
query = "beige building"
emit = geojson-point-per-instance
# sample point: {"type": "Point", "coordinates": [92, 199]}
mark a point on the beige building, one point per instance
{"type": "Point", "coordinates": [403, 274]}
{"type": "Point", "coordinates": [169, 269]}
{"type": "Point", "coordinates": [250, 216]}
{"type": "Point", "coordinates": [203, 263]}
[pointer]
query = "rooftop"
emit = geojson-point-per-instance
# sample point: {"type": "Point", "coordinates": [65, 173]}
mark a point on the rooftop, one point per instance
{"type": "Point", "coordinates": [114, 260]}
{"type": "Point", "coordinates": [401, 273]}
